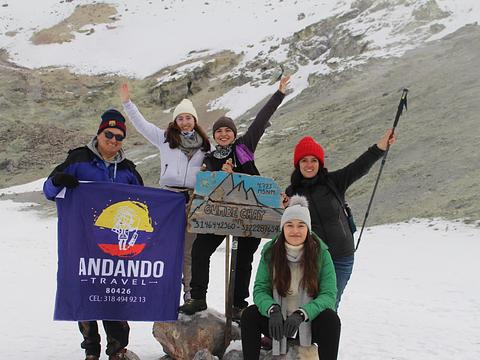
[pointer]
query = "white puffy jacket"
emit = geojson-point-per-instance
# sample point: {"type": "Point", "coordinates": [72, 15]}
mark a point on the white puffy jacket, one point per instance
{"type": "Point", "coordinates": [176, 169]}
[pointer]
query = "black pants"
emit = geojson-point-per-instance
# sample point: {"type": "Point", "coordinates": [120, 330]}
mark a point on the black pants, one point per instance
{"type": "Point", "coordinates": [203, 248]}
{"type": "Point", "coordinates": [325, 333]}
{"type": "Point", "coordinates": [117, 336]}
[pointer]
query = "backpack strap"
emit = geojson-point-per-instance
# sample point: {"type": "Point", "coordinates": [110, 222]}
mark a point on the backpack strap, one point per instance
{"type": "Point", "coordinates": [346, 209]}
{"type": "Point", "coordinates": [335, 192]}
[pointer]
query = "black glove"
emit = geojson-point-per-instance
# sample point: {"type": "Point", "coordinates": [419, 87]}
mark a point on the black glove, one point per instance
{"type": "Point", "coordinates": [63, 179]}
{"type": "Point", "coordinates": [275, 323]}
{"type": "Point", "coordinates": [292, 323]}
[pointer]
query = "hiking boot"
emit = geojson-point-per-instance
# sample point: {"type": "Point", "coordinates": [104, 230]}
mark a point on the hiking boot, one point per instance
{"type": "Point", "coordinates": [121, 355]}
{"type": "Point", "coordinates": [237, 313]}
{"type": "Point", "coordinates": [92, 357]}
{"type": "Point", "coordinates": [192, 306]}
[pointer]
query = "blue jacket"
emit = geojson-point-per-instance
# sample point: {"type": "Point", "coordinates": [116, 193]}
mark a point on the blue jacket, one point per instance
{"type": "Point", "coordinates": [85, 165]}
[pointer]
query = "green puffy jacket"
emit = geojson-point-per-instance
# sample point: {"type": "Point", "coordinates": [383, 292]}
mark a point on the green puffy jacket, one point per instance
{"type": "Point", "coordinates": [327, 283]}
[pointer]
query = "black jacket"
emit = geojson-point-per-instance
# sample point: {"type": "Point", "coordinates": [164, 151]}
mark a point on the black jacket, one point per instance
{"type": "Point", "coordinates": [243, 148]}
{"type": "Point", "coordinates": [329, 221]}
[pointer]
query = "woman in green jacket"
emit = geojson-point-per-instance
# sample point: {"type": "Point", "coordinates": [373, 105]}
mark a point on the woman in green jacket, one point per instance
{"type": "Point", "coordinates": [295, 290]}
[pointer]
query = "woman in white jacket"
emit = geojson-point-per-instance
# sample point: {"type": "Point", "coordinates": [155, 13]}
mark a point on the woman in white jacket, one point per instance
{"type": "Point", "coordinates": [182, 147]}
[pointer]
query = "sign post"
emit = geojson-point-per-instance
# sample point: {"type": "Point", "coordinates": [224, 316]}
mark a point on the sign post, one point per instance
{"type": "Point", "coordinates": [238, 205]}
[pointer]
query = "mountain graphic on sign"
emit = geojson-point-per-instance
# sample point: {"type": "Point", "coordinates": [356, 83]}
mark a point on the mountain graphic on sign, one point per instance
{"type": "Point", "coordinates": [226, 192]}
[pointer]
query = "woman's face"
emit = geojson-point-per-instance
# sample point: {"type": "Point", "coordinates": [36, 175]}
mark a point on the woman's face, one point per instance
{"type": "Point", "coordinates": [309, 166]}
{"type": "Point", "coordinates": [295, 232]}
{"type": "Point", "coordinates": [185, 121]}
{"type": "Point", "coordinates": [224, 136]}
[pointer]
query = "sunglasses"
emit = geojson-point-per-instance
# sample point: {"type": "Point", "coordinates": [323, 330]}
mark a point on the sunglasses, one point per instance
{"type": "Point", "coordinates": [110, 135]}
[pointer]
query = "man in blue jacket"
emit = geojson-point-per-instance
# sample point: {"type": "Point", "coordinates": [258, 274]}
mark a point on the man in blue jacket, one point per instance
{"type": "Point", "coordinates": [103, 159]}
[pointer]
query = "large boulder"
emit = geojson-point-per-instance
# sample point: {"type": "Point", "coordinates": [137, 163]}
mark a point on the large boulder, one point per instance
{"type": "Point", "coordinates": [181, 340]}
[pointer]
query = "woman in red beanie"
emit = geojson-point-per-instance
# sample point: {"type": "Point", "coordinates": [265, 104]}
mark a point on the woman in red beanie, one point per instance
{"type": "Point", "coordinates": [325, 192]}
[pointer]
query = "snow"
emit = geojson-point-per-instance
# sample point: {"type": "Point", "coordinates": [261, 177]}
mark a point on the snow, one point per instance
{"type": "Point", "coordinates": [36, 185]}
{"type": "Point", "coordinates": [414, 292]}
{"type": "Point", "coordinates": [171, 28]}
{"type": "Point", "coordinates": [413, 295]}
{"type": "Point", "coordinates": [150, 35]}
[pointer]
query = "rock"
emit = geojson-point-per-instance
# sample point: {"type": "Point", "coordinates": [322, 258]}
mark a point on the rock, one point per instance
{"type": "Point", "coordinates": [233, 355]}
{"type": "Point", "coordinates": [295, 352]}
{"type": "Point", "coordinates": [204, 354]}
{"type": "Point", "coordinates": [130, 355]}
{"type": "Point", "coordinates": [204, 331]}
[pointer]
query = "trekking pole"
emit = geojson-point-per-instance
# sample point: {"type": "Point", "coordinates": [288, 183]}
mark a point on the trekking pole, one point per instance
{"type": "Point", "coordinates": [231, 288]}
{"type": "Point", "coordinates": [401, 105]}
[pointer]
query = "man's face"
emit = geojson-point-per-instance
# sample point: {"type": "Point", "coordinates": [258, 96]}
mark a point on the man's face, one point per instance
{"type": "Point", "coordinates": [108, 145]}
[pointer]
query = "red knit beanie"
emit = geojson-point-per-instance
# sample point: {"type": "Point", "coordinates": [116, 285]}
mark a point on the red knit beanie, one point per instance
{"type": "Point", "coordinates": [305, 147]}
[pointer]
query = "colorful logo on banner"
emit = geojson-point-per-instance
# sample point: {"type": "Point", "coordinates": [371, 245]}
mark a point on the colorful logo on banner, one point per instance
{"type": "Point", "coordinates": [127, 220]}
{"type": "Point", "coordinates": [120, 253]}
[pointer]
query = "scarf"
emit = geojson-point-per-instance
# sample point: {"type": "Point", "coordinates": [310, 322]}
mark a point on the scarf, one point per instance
{"type": "Point", "coordinates": [190, 142]}
{"type": "Point", "coordinates": [221, 152]}
{"type": "Point", "coordinates": [294, 255]}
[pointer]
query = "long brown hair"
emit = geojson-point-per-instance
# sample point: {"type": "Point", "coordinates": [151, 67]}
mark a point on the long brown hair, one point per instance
{"type": "Point", "coordinates": [173, 133]}
{"type": "Point", "coordinates": [280, 271]}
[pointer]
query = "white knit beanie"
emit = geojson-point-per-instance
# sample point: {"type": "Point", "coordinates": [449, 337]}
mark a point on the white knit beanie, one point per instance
{"type": "Point", "coordinates": [297, 210]}
{"type": "Point", "coordinates": [186, 107]}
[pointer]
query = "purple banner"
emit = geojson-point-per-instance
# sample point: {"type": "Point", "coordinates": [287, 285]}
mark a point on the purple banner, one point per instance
{"type": "Point", "coordinates": [120, 253]}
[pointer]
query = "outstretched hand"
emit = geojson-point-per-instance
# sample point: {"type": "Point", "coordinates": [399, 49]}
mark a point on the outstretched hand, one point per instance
{"type": "Point", "coordinates": [124, 93]}
{"type": "Point", "coordinates": [284, 81]}
{"type": "Point", "coordinates": [388, 139]}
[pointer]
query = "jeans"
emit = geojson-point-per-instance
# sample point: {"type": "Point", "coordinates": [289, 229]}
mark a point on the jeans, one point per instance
{"type": "Point", "coordinates": [343, 270]}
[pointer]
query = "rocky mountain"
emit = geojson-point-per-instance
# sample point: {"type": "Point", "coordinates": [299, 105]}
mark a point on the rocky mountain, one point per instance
{"type": "Point", "coordinates": [346, 85]}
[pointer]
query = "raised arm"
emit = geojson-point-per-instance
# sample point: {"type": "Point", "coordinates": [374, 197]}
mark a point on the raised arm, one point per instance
{"type": "Point", "coordinates": [150, 131]}
{"type": "Point", "coordinates": [258, 126]}
{"type": "Point", "coordinates": [345, 177]}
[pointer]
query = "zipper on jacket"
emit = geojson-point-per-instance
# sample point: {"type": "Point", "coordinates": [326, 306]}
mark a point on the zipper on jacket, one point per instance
{"type": "Point", "coordinates": [186, 170]}
{"type": "Point", "coordinates": [164, 171]}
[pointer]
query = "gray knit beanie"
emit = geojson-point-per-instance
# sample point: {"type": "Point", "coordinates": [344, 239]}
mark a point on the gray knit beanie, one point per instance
{"type": "Point", "coordinates": [297, 210]}
{"type": "Point", "coordinates": [224, 121]}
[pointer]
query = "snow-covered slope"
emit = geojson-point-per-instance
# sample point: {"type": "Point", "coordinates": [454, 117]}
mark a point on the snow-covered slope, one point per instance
{"type": "Point", "coordinates": [140, 37]}
{"type": "Point", "coordinates": [147, 35]}
{"type": "Point", "coordinates": [413, 294]}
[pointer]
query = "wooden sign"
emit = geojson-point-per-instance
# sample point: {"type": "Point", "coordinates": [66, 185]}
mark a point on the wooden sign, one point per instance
{"type": "Point", "coordinates": [235, 204]}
